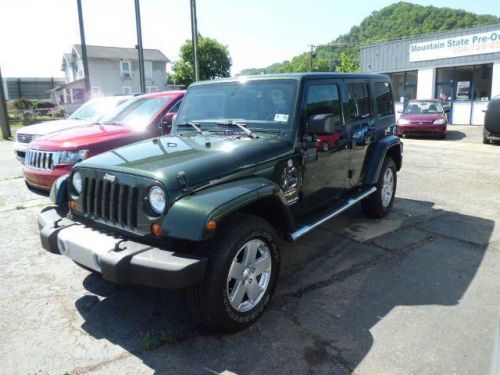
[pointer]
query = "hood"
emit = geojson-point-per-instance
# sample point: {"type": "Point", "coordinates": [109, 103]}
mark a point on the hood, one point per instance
{"type": "Point", "coordinates": [84, 137]}
{"type": "Point", "coordinates": [202, 158]}
{"type": "Point", "coordinates": [49, 127]}
{"type": "Point", "coordinates": [421, 117]}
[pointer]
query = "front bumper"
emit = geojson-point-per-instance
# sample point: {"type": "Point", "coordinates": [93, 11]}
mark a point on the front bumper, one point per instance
{"type": "Point", "coordinates": [428, 129]}
{"type": "Point", "coordinates": [491, 136]}
{"type": "Point", "coordinates": [117, 259]}
{"type": "Point", "coordinates": [43, 179]}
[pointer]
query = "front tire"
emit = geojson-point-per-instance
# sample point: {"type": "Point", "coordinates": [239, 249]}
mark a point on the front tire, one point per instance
{"type": "Point", "coordinates": [380, 203]}
{"type": "Point", "coordinates": [241, 275]}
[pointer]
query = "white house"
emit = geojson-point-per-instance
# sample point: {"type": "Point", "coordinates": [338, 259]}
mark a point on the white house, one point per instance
{"type": "Point", "coordinates": [112, 71]}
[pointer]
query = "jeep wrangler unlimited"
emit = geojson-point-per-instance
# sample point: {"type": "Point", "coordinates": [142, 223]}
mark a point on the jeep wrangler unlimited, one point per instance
{"type": "Point", "coordinates": [248, 160]}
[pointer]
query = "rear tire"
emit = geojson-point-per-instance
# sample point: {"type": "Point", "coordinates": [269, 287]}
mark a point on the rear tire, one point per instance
{"type": "Point", "coordinates": [233, 294]}
{"type": "Point", "coordinates": [378, 204]}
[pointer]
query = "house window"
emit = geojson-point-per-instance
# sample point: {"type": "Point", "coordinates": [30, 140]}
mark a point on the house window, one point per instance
{"type": "Point", "coordinates": [125, 69]}
{"type": "Point", "coordinates": [126, 90]}
{"type": "Point", "coordinates": [148, 69]}
{"type": "Point", "coordinates": [151, 88]}
{"type": "Point", "coordinates": [96, 91]}
{"type": "Point", "coordinates": [404, 86]}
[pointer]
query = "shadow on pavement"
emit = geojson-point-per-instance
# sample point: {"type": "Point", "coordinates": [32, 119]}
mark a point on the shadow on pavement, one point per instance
{"type": "Point", "coordinates": [451, 135]}
{"type": "Point", "coordinates": [333, 291]}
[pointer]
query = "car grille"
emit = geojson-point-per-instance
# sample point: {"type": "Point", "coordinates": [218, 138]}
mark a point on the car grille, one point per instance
{"type": "Point", "coordinates": [42, 160]}
{"type": "Point", "coordinates": [110, 202]}
{"type": "Point", "coordinates": [24, 138]}
{"type": "Point", "coordinates": [421, 122]}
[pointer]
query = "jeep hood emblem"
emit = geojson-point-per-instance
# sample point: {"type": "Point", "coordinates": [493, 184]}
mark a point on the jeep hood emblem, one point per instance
{"type": "Point", "coordinates": [109, 177]}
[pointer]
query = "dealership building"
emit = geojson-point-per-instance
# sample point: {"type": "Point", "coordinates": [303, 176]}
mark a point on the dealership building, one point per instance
{"type": "Point", "coordinates": [462, 68]}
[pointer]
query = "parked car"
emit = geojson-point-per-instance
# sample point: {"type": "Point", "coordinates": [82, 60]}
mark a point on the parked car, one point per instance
{"type": "Point", "coordinates": [86, 114]}
{"type": "Point", "coordinates": [202, 209]}
{"type": "Point", "coordinates": [491, 131]}
{"type": "Point", "coordinates": [138, 118]}
{"type": "Point", "coordinates": [422, 117]}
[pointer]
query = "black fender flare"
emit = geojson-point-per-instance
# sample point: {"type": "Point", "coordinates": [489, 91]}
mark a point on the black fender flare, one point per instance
{"type": "Point", "coordinates": [390, 145]}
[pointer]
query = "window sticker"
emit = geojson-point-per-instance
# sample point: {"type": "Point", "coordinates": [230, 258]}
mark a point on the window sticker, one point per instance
{"type": "Point", "coordinates": [280, 117]}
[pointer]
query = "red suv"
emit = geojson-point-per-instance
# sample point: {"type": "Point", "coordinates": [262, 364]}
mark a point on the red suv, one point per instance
{"type": "Point", "coordinates": [139, 118]}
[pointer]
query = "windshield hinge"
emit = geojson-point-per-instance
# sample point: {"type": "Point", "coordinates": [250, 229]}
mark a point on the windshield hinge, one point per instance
{"type": "Point", "coordinates": [183, 181]}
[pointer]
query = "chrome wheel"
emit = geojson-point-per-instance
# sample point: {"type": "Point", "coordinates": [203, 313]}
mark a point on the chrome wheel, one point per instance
{"type": "Point", "coordinates": [387, 187]}
{"type": "Point", "coordinates": [249, 275]}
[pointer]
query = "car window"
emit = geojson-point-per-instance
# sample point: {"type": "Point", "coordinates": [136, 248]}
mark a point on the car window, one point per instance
{"type": "Point", "coordinates": [95, 109]}
{"type": "Point", "coordinates": [423, 107]}
{"type": "Point", "coordinates": [137, 113]}
{"type": "Point", "coordinates": [175, 107]}
{"type": "Point", "coordinates": [383, 98]}
{"type": "Point", "coordinates": [323, 99]}
{"type": "Point", "coordinates": [359, 101]}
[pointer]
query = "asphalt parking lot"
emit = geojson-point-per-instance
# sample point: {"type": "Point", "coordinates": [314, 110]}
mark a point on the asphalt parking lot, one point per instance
{"type": "Point", "coordinates": [415, 293]}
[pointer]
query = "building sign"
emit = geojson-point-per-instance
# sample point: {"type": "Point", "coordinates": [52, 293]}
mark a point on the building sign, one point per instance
{"type": "Point", "coordinates": [465, 45]}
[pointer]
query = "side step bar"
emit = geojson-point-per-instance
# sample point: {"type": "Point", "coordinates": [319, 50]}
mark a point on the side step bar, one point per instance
{"type": "Point", "coordinates": [308, 227]}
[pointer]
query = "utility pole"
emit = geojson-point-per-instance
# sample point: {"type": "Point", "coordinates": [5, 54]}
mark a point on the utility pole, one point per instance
{"type": "Point", "coordinates": [194, 32]}
{"type": "Point", "coordinates": [4, 117]}
{"type": "Point", "coordinates": [84, 50]}
{"type": "Point", "coordinates": [312, 56]}
{"type": "Point", "coordinates": [139, 46]}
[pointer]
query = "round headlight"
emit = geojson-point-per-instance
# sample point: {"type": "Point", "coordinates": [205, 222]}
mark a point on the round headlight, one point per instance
{"type": "Point", "coordinates": [157, 199]}
{"type": "Point", "coordinates": [77, 182]}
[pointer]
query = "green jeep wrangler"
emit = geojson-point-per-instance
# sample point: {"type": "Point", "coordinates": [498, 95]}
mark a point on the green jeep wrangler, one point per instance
{"type": "Point", "coordinates": [248, 160]}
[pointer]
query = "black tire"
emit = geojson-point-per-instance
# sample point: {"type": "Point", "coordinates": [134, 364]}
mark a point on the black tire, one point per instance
{"type": "Point", "coordinates": [209, 300]}
{"type": "Point", "coordinates": [373, 206]}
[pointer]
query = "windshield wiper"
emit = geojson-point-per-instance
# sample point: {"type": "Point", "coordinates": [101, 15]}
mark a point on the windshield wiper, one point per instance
{"type": "Point", "coordinates": [194, 125]}
{"type": "Point", "coordinates": [242, 127]}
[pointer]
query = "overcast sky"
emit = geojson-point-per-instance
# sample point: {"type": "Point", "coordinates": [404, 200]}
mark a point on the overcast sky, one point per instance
{"type": "Point", "coordinates": [35, 33]}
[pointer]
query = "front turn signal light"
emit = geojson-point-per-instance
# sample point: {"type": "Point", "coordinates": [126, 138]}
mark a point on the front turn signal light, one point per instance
{"type": "Point", "coordinates": [156, 229]}
{"type": "Point", "coordinates": [211, 225]}
{"type": "Point", "coordinates": [72, 205]}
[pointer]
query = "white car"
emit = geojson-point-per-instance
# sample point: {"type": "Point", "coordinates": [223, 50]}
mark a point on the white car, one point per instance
{"type": "Point", "coordinates": [87, 114]}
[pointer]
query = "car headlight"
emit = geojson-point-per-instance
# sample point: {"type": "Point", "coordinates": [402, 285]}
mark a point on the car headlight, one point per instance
{"type": "Point", "coordinates": [403, 121]}
{"type": "Point", "coordinates": [76, 181]}
{"type": "Point", "coordinates": [73, 157]}
{"type": "Point", "coordinates": [157, 199]}
{"type": "Point", "coordinates": [439, 121]}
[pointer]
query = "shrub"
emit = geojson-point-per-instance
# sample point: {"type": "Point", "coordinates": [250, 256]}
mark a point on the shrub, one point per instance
{"type": "Point", "coordinates": [44, 105]}
{"type": "Point", "coordinates": [23, 104]}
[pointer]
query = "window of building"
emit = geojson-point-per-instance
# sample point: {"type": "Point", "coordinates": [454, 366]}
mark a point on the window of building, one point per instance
{"type": "Point", "coordinates": [383, 98]}
{"type": "Point", "coordinates": [125, 69]}
{"type": "Point", "coordinates": [126, 90]}
{"type": "Point", "coordinates": [148, 69]}
{"type": "Point", "coordinates": [404, 85]}
{"type": "Point", "coordinates": [151, 88]}
{"type": "Point", "coordinates": [481, 81]}
{"type": "Point", "coordinates": [464, 83]}
{"type": "Point", "coordinates": [323, 99]}
{"type": "Point", "coordinates": [359, 101]}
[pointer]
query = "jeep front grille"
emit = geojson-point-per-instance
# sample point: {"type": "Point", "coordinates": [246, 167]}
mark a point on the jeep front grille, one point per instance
{"type": "Point", "coordinates": [42, 160]}
{"type": "Point", "coordinates": [110, 202]}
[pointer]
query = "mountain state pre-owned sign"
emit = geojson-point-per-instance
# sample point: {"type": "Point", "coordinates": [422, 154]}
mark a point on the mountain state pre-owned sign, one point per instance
{"type": "Point", "coordinates": [465, 45]}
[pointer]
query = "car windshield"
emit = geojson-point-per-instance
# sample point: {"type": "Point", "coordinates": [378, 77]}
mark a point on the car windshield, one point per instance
{"type": "Point", "coordinates": [264, 104]}
{"type": "Point", "coordinates": [96, 108]}
{"type": "Point", "coordinates": [136, 113]}
{"type": "Point", "coordinates": [423, 107]}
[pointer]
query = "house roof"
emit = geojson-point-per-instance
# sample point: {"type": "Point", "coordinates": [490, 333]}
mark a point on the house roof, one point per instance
{"type": "Point", "coordinates": [120, 53]}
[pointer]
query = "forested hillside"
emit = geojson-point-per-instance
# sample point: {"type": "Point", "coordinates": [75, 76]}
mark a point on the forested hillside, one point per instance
{"type": "Point", "coordinates": [396, 21]}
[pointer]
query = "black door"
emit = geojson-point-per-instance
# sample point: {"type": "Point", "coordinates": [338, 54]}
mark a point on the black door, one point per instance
{"type": "Point", "coordinates": [359, 113]}
{"type": "Point", "coordinates": [325, 156]}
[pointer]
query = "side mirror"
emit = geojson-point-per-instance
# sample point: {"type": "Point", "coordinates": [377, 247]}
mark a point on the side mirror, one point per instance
{"type": "Point", "coordinates": [323, 123]}
{"type": "Point", "coordinates": [447, 110]}
{"type": "Point", "coordinates": [167, 119]}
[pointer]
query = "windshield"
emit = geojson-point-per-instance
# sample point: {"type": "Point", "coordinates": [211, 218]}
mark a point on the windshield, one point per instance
{"type": "Point", "coordinates": [423, 107]}
{"type": "Point", "coordinates": [137, 112]}
{"type": "Point", "coordinates": [259, 103]}
{"type": "Point", "coordinates": [95, 109]}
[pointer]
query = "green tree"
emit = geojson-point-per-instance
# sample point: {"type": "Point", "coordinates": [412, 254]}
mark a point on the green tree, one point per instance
{"type": "Point", "coordinates": [214, 61]}
{"type": "Point", "coordinates": [347, 65]}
